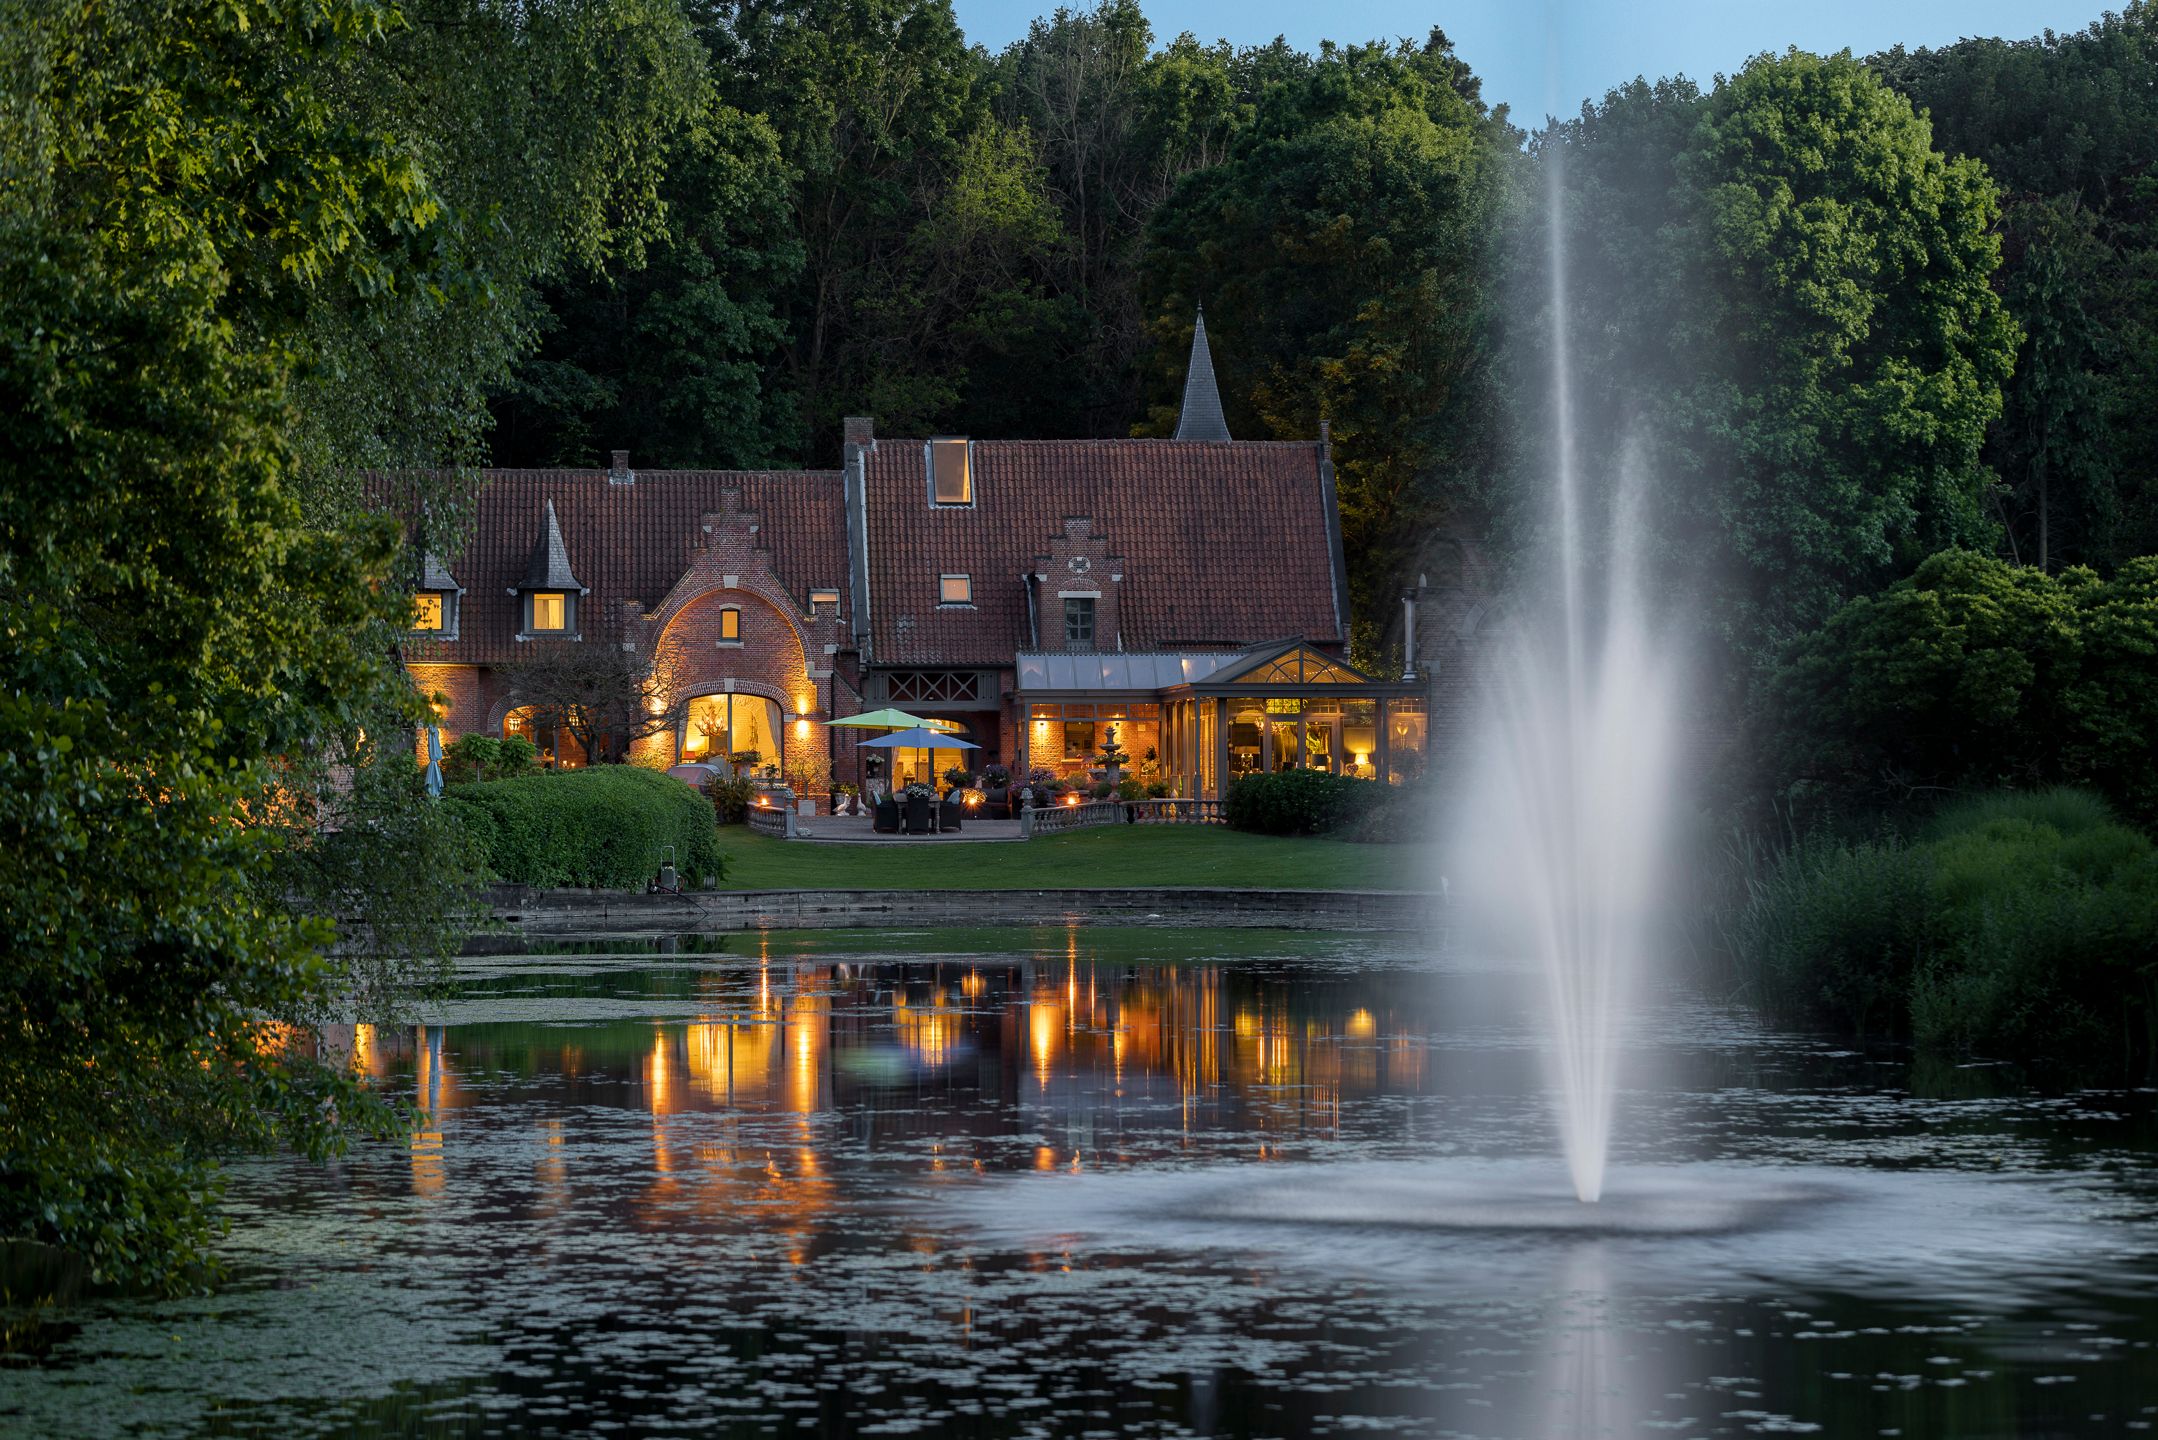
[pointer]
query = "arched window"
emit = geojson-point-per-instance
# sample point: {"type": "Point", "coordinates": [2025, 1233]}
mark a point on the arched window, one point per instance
{"type": "Point", "coordinates": [720, 727]}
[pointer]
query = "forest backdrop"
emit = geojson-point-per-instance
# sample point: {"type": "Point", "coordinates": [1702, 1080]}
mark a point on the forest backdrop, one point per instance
{"type": "Point", "coordinates": [1880, 328]}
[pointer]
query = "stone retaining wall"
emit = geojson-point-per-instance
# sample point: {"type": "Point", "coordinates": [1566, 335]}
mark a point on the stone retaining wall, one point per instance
{"type": "Point", "coordinates": [599, 911]}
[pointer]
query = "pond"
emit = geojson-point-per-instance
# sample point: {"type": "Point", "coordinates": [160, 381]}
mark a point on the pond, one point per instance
{"type": "Point", "coordinates": [1148, 1183]}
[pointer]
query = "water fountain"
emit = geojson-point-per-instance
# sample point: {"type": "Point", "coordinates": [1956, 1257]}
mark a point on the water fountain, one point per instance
{"type": "Point", "coordinates": [1577, 744]}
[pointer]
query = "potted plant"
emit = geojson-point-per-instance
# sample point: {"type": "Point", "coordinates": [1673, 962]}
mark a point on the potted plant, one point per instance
{"type": "Point", "coordinates": [997, 789]}
{"type": "Point", "coordinates": [957, 778]}
{"type": "Point", "coordinates": [918, 798]}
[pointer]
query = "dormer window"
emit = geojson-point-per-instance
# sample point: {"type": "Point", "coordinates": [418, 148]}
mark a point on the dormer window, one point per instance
{"type": "Point", "coordinates": [434, 604]}
{"type": "Point", "coordinates": [730, 626]}
{"type": "Point", "coordinates": [951, 472]}
{"type": "Point", "coordinates": [550, 592]}
{"type": "Point", "coordinates": [955, 589]}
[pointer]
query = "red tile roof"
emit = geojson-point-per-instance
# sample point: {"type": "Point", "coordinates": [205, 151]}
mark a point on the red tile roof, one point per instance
{"type": "Point", "coordinates": [629, 542]}
{"type": "Point", "coordinates": [1223, 543]}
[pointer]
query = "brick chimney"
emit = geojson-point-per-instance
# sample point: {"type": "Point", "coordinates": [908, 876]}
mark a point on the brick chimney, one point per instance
{"type": "Point", "coordinates": [619, 473]}
{"type": "Point", "coordinates": [858, 430]}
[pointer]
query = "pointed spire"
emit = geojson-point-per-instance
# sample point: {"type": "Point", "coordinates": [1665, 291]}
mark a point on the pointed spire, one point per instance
{"type": "Point", "coordinates": [549, 567]}
{"type": "Point", "coordinates": [1201, 418]}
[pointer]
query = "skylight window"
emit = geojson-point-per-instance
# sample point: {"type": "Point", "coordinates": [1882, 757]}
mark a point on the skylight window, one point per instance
{"type": "Point", "coordinates": [955, 590]}
{"type": "Point", "coordinates": [951, 473]}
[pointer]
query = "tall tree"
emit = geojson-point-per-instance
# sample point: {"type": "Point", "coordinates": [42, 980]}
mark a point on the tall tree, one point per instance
{"type": "Point", "coordinates": [1784, 301]}
{"type": "Point", "coordinates": [211, 219]}
{"type": "Point", "coordinates": [2068, 125]}
{"type": "Point", "coordinates": [1342, 252]}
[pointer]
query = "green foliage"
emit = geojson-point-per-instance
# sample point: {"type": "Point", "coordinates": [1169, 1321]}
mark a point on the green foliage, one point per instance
{"type": "Point", "coordinates": [1781, 304]}
{"type": "Point", "coordinates": [1297, 802]}
{"type": "Point", "coordinates": [2019, 924]}
{"type": "Point", "coordinates": [249, 249]}
{"type": "Point", "coordinates": [1343, 250]}
{"type": "Point", "coordinates": [2068, 124]}
{"type": "Point", "coordinates": [731, 797]}
{"type": "Point", "coordinates": [186, 667]}
{"type": "Point", "coordinates": [605, 827]}
{"type": "Point", "coordinates": [1836, 932]}
{"type": "Point", "coordinates": [482, 757]}
{"type": "Point", "coordinates": [1975, 672]}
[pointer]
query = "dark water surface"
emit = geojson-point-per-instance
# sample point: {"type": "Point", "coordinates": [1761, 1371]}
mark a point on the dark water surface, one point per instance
{"type": "Point", "coordinates": [1157, 1183]}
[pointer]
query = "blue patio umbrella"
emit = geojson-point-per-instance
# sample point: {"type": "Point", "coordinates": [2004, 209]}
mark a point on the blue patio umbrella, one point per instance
{"type": "Point", "coordinates": [919, 740]}
{"type": "Point", "coordinates": [434, 761]}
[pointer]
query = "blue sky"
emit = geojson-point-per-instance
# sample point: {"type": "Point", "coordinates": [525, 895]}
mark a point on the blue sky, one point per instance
{"type": "Point", "coordinates": [1599, 43]}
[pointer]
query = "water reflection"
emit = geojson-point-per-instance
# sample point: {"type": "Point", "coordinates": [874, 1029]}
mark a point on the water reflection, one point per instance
{"type": "Point", "coordinates": [1068, 1182]}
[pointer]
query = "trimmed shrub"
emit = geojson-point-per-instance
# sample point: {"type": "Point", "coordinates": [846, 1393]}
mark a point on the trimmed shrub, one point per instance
{"type": "Point", "coordinates": [1297, 802]}
{"type": "Point", "coordinates": [606, 827]}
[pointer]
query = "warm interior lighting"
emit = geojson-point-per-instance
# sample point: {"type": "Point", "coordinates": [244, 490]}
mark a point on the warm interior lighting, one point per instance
{"type": "Point", "coordinates": [427, 612]}
{"type": "Point", "coordinates": [547, 612]}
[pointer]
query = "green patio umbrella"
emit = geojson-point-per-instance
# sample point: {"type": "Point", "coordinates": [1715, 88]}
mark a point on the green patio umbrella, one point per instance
{"type": "Point", "coordinates": [889, 719]}
{"type": "Point", "coordinates": [881, 720]}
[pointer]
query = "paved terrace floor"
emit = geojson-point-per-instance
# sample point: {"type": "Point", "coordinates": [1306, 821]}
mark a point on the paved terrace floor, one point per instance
{"type": "Point", "coordinates": [856, 830]}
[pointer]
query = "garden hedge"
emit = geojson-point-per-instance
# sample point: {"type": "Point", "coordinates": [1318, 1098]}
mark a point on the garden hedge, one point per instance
{"type": "Point", "coordinates": [606, 827]}
{"type": "Point", "coordinates": [1298, 802]}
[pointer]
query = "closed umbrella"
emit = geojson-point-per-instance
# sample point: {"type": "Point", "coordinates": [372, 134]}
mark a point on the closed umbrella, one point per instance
{"type": "Point", "coordinates": [434, 761]}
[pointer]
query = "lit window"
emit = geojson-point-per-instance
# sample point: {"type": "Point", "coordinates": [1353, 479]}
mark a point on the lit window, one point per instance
{"type": "Point", "coordinates": [427, 612]}
{"type": "Point", "coordinates": [548, 612]}
{"type": "Point", "coordinates": [951, 478]}
{"type": "Point", "coordinates": [1079, 621]}
{"type": "Point", "coordinates": [824, 602]}
{"type": "Point", "coordinates": [730, 627]}
{"type": "Point", "coordinates": [955, 590]}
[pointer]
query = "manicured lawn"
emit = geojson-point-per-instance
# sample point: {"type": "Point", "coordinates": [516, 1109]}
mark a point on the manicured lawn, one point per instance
{"type": "Point", "coordinates": [1110, 856]}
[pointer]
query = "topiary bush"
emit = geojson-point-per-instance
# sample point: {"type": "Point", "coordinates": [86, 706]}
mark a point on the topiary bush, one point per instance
{"type": "Point", "coordinates": [1297, 802]}
{"type": "Point", "coordinates": [606, 827]}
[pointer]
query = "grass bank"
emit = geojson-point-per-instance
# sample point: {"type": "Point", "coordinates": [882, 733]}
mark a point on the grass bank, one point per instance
{"type": "Point", "coordinates": [1110, 856]}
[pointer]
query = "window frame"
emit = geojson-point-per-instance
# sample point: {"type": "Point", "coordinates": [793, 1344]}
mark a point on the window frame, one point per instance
{"type": "Point", "coordinates": [730, 625]}
{"type": "Point", "coordinates": [944, 595]}
{"type": "Point", "coordinates": [1086, 605]}
{"type": "Point", "coordinates": [929, 468]}
{"type": "Point", "coordinates": [442, 628]}
{"type": "Point", "coordinates": [823, 595]}
{"type": "Point", "coordinates": [532, 612]}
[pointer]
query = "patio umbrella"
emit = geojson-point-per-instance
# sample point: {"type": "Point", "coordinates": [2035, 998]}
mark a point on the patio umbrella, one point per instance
{"type": "Point", "coordinates": [886, 719]}
{"type": "Point", "coordinates": [919, 740]}
{"type": "Point", "coordinates": [434, 761]}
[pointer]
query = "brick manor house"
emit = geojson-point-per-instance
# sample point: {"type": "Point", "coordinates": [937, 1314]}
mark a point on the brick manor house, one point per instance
{"type": "Point", "coordinates": [1184, 597]}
